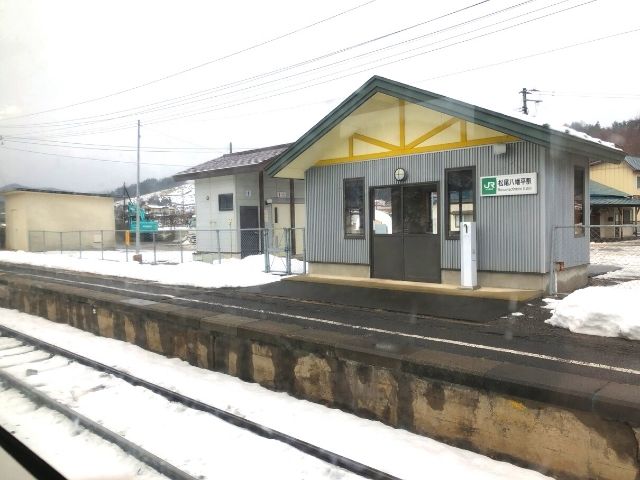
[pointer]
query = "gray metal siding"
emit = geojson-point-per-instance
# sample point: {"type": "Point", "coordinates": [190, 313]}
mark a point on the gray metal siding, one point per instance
{"type": "Point", "coordinates": [564, 245]}
{"type": "Point", "coordinates": [509, 227]}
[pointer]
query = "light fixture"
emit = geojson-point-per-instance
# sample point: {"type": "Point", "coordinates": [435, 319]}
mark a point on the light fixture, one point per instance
{"type": "Point", "coordinates": [499, 149]}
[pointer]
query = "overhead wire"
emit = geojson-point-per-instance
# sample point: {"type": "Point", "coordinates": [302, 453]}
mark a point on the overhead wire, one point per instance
{"type": "Point", "coordinates": [255, 98]}
{"type": "Point", "coordinates": [422, 36]}
{"type": "Point", "coordinates": [218, 59]}
{"type": "Point", "coordinates": [94, 158]}
{"type": "Point", "coordinates": [178, 100]}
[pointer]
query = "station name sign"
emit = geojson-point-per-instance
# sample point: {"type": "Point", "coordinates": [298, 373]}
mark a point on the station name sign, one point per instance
{"type": "Point", "coordinates": [517, 184]}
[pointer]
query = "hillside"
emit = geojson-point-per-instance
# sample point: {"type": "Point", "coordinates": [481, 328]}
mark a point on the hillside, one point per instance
{"type": "Point", "coordinates": [625, 134]}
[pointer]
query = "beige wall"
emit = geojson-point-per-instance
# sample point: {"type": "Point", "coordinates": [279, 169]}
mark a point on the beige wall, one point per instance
{"type": "Point", "coordinates": [621, 177]}
{"type": "Point", "coordinates": [58, 212]}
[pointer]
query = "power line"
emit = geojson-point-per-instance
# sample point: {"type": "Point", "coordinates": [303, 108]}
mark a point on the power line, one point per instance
{"type": "Point", "coordinates": [422, 53]}
{"type": "Point", "coordinates": [256, 98]}
{"type": "Point", "coordinates": [93, 158]}
{"type": "Point", "coordinates": [176, 101]}
{"type": "Point", "coordinates": [191, 113]}
{"type": "Point", "coordinates": [123, 148]}
{"type": "Point", "coordinates": [533, 55]}
{"type": "Point", "coordinates": [218, 59]}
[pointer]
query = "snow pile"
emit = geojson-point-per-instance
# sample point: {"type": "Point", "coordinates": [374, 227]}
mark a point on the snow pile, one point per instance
{"type": "Point", "coordinates": [604, 311]}
{"type": "Point", "coordinates": [392, 450]}
{"type": "Point", "coordinates": [625, 255]}
{"type": "Point", "coordinates": [230, 273]}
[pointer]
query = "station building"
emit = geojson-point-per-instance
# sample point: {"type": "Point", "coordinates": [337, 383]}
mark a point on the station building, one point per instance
{"type": "Point", "coordinates": [392, 171]}
{"type": "Point", "coordinates": [234, 199]}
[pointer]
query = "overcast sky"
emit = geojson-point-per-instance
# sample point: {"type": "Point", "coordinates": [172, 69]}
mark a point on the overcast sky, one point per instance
{"type": "Point", "coordinates": [65, 52]}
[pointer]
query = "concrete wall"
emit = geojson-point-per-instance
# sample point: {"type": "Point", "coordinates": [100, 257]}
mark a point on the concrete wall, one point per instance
{"type": "Point", "coordinates": [55, 213]}
{"type": "Point", "coordinates": [558, 423]}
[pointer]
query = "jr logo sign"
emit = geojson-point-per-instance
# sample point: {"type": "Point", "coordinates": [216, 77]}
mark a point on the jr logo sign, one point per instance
{"type": "Point", "coordinates": [514, 184]}
{"type": "Point", "coordinates": [489, 185]}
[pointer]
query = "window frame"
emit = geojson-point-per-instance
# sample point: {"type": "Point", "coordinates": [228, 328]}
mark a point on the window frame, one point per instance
{"type": "Point", "coordinates": [637, 182]}
{"type": "Point", "coordinates": [579, 232]}
{"type": "Point", "coordinates": [448, 234]}
{"type": "Point", "coordinates": [220, 196]}
{"type": "Point", "coordinates": [351, 236]}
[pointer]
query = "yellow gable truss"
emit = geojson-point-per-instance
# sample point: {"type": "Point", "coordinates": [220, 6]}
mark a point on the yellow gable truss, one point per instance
{"type": "Point", "coordinates": [386, 126]}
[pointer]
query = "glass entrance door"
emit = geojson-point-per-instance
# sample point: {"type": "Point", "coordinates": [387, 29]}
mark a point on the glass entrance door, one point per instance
{"type": "Point", "coordinates": [405, 243]}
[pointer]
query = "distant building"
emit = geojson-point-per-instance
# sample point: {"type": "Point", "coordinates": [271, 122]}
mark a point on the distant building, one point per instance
{"type": "Point", "coordinates": [610, 206]}
{"type": "Point", "coordinates": [624, 176]}
{"type": "Point", "coordinates": [40, 220]}
{"type": "Point", "coordinates": [234, 198]}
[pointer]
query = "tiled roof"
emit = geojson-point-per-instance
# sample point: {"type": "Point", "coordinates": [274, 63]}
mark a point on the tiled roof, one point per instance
{"type": "Point", "coordinates": [634, 162]}
{"type": "Point", "coordinates": [233, 163]}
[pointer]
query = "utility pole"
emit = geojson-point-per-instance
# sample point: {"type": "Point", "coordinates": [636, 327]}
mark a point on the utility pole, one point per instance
{"type": "Point", "coordinates": [138, 195]}
{"type": "Point", "coordinates": [230, 147]}
{"type": "Point", "coordinates": [525, 100]}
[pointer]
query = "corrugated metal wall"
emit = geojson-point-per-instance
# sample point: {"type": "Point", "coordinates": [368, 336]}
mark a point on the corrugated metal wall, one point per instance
{"type": "Point", "coordinates": [510, 228]}
{"type": "Point", "coordinates": [564, 245]}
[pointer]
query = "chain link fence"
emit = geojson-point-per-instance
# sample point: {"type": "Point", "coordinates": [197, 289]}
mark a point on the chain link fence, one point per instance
{"type": "Point", "coordinates": [283, 249]}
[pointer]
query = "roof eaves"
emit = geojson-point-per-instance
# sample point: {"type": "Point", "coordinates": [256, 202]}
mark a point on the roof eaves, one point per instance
{"type": "Point", "coordinates": [512, 126]}
{"type": "Point", "coordinates": [221, 172]}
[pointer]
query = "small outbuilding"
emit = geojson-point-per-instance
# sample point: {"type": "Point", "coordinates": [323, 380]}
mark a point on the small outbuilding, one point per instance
{"type": "Point", "coordinates": [38, 220]}
{"type": "Point", "coordinates": [235, 200]}
{"type": "Point", "coordinates": [392, 171]}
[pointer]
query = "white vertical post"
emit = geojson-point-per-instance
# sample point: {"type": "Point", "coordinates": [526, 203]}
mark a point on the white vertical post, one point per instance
{"type": "Point", "coordinates": [468, 257]}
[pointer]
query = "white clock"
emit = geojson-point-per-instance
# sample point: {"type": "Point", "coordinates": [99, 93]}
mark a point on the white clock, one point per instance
{"type": "Point", "coordinates": [400, 174]}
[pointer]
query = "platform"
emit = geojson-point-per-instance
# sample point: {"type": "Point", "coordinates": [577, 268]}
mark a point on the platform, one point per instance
{"type": "Point", "coordinates": [514, 294]}
{"type": "Point", "coordinates": [414, 298]}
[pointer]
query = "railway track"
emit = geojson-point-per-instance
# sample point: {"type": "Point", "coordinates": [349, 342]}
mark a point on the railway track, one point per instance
{"type": "Point", "coordinates": [28, 351]}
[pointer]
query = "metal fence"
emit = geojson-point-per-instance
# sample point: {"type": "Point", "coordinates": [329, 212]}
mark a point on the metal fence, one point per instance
{"type": "Point", "coordinates": [283, 249]}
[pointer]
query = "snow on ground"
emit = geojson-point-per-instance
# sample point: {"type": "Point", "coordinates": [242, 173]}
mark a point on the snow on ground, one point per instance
{"type": "Point", "coordinates": [230, 273]}
{"type": "Point", "coordinates": [74, 452]}
{"type": "Point", "coordinates": [395, 451]}
{"type": "Point", "coordinates": [607, 311]}
{"type": "Point", "coordinates": [183, 194]}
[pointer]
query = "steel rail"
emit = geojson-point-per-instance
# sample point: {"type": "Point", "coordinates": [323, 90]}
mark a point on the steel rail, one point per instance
{"type": "Point", "coordinates": [146, 457]}
{"type": "Point", "coordinates": [320, 453]}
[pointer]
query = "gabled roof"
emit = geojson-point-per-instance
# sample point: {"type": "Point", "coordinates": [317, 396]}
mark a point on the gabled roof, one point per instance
{"type": "Point", "coordinates": [603, 196]}
{"type": "Point", "coordinates": [634, 162]}
{"type": "Point", "coordinates": [525, 130]}
{"type": "Point", "coordinates": [597, 189]}
{"type": "Point", "coordinates": [231, 163]}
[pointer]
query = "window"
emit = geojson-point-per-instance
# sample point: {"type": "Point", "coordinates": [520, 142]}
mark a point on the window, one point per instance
{"type": "Point", "coordinates": [638, 181]}
{"type": "Point", "coordinates": [460, 199]}
{"type": "Point", "coordinates": [626, 216]}
{"type": "Point", "coordinates": [354, 207]}
{"type": "Point", "coordinates": [225, 202]}
{"type": "Point", "coordinates": [275, 214]}
{"type": "Point", "coordinates": [578, 201]}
